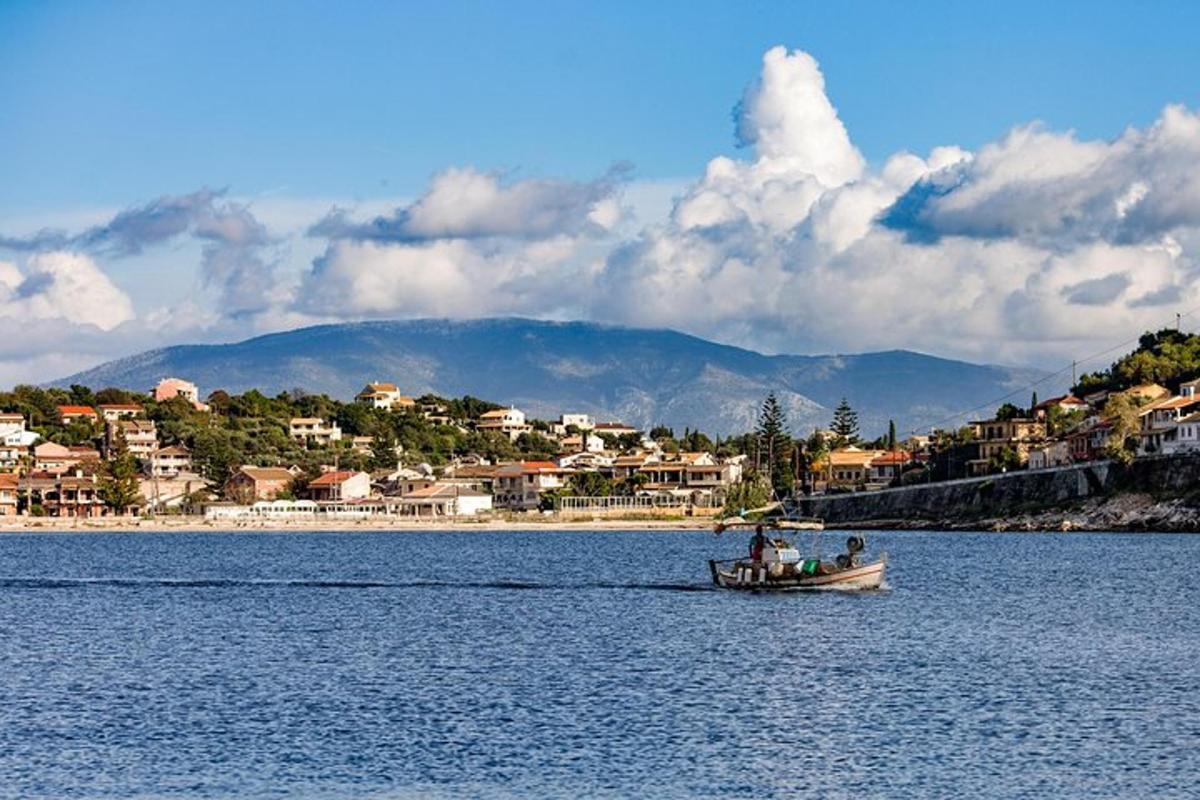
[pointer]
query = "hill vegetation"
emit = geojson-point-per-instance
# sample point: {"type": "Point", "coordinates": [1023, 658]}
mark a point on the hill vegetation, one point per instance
{"type": "Point", "coordinates": [1168, 357]}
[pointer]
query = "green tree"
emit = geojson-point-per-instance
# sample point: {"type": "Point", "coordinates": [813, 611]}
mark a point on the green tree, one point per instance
{"type": "Point", "coordinates": [775, 446]}
{"type": "Point", "coordinates": [590, 484]}
{"type": "Point", "coordinates": [891, 435]}
{"type": "Point", "coordinates": [1009, 411]}
{"type": "Point", "coordinates": [750, 493]}
{"type": "Point", "coordinates": [845, 423]}
{"type": "Point", "coordinates": [118, 477]}
{"type": "Point", "coordinates": [1122, 411]}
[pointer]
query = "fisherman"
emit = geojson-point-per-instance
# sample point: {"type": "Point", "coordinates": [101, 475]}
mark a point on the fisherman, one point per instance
{"type": "Point", "coordinates": [757, 544]}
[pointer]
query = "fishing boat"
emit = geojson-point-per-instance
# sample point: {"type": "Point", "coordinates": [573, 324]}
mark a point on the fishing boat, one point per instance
{"type": "Point", "coordinates": [775, 563]}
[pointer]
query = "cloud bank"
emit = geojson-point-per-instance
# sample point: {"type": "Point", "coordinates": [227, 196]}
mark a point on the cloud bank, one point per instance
{"type": "Point", "coordinates": [1032, 248]}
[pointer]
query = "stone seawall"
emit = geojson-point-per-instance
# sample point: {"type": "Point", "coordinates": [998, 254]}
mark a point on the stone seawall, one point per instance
{"type": "Point", "coordinates": [1159, 481]}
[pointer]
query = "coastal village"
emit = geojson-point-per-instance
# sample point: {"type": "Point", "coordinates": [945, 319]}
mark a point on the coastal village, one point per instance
{"type": "Point", "coordinates": [388, 454]}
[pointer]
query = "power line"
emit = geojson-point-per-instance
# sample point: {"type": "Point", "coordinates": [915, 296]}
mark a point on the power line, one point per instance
{"type": "Point", "coordinates": [1029, 387]}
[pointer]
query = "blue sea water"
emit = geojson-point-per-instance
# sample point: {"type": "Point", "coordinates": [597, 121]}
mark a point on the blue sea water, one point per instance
{"type": "Point", "coordinates": [593, 665]}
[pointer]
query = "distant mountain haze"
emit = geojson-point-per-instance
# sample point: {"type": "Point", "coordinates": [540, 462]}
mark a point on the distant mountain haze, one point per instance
{"type": "Point", "coordinates": [639, 376]}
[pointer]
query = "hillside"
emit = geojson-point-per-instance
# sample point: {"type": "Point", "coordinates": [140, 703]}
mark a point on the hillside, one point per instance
{"type": "Point", "coordinates": [644, 377]}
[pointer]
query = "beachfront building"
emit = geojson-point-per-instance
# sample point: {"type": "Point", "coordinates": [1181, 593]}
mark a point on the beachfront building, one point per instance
{"type": "Point", "coordinates": [340, 486]}
{"type": "Point", "coordinates": [1050, 454]}
{"type": "Point", "coordinates": [888, 467]}
{"type": "Point", "coordinates": [446, 500]}
{"type": "Point", "coordinates": [9, 485]}
{"type": "Point", "coordinates": [850, 467]}
{"type": "Point", "coordinates": [1087, 440]}
{"type": "Point", "coordinates": [173, 491]}
{"type": "Point", "coordinates": [1187, 435]}
{"type": "Point", "coordinates": [508, 421]}
{"type": "Point", "coordinates": [250, 483]}
{"type": "Point", "coordinates": [1159, 422]}
{"type": "Point", "coordinates": [519, 485]}
{"type": "Point", "coordinates": [996, 438]}
{"type": "Point", "coordinates": [314, 430]}
{"type": "Point", "coordinates": [71, 495]}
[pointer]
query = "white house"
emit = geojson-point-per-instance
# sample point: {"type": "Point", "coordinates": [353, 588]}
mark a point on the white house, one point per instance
{"type": "Point", "coordinates": [1159, 421]}
{"type": "Point", "coordinates": [115, 411]}
{"type": "Point", "coordinates": [166, 462]}
{"type": "Point", "coordinates": [1187, 435]}
{"type": "Point", "coordinates": [581, 422]}
{"type": "Point", "coordinates": [1053, 454]}
{"type": "Point", "coordinates": [384, 395]}
{"type": "Point", "coordinates": [520, 485]}
{"type": "Point", "coordinates": [340, 486]}
{"type": "Point", "coordinates": [314, 429]}
{"type": "Point", "coordinates": [446, 500]}
{"type": "Point", "coordinates": [509, 421]}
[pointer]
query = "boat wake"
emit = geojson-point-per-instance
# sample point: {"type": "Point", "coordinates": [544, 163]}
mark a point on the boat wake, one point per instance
{"type": "Point", "coordinates": [201, 583]}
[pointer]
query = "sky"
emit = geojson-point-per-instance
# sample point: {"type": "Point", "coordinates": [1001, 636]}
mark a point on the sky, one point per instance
{"type": "Point", "coordinates": [1012, 184]}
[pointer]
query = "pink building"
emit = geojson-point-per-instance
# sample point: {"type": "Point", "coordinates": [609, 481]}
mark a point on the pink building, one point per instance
{"type": "Point", "coordinates": [177, 387]}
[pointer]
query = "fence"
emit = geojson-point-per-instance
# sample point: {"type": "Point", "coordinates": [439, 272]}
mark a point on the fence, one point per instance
{"type": "Point", "coordinates": [640, 504]}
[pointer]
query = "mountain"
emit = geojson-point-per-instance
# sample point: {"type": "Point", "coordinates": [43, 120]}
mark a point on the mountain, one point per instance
{"type": "Point", "coordinates": [644, 377]}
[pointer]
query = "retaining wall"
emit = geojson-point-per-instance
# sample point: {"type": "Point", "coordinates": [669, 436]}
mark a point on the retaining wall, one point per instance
{"type": "Point", "coordinates": [1014, 492]}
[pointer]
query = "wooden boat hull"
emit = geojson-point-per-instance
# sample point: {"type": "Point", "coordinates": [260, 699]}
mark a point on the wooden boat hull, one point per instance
{"type": "Point", "coordinates": [748, 577]}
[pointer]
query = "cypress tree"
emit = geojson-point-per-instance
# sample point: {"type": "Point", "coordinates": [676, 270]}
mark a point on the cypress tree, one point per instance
{"type": "Point", "coordinates": [891, 440]}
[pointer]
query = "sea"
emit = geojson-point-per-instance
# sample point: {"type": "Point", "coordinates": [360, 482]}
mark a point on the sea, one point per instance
{"type": "Point", "coordinates": [593, 664]}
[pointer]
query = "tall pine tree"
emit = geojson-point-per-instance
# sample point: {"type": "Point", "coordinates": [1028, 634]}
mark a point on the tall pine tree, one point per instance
{"type": "Point", "coordinates": [118, 477]}
{"type": "Point", "coordinates": [891, 440]}
{"type": "Point", "coordinates": [775, 446]}
{"type": "Point", "coordinates": [845, 423]}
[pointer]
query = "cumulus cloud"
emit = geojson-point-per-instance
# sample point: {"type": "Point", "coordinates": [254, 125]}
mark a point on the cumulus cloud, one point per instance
{"type": "Point", "coordinates": [1022, 250]}
{"type": "Point", "coordinates": [463, 203]}
{"type": "Point", "coordinates": [232, 252]}
{"type": "Point", "coordinates": [1053, 189]}
{"type": "Point", "coordinates": [1033, 247]}
{"type": "Point", "coordinates": [62, 286]}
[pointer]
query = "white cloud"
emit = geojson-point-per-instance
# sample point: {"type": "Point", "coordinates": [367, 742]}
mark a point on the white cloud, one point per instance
{"type": "Point", "coordinates": [62, 286]}
{"type": "Point", "coordinates": [463, 203]}
{"type": "Point", "coordinates": [1035, 247]}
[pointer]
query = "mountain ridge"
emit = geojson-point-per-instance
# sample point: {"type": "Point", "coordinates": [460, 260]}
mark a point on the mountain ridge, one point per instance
{"type": "Point", "coordinates": [644, 376]}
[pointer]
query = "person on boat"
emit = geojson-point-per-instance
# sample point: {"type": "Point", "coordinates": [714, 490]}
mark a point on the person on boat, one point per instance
{"type": "Point", "coordinates": [757, 543]}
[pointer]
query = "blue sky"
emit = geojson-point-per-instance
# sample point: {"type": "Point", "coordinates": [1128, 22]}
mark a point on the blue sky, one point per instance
{"type": "Point", "coordinates": [1014, 183]}
{"type": "Point", "coordinates": [114, 103]}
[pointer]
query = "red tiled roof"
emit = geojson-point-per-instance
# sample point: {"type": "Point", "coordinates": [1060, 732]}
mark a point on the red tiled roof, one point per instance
{"type": "Point", "coordinates": [332, 478]}
{"type": "Point", "coordinates": [267, 473]}
{"type": "Point", "coordinates": [897, 457]}
{"type": "Point", "coordinates": [64, 411]}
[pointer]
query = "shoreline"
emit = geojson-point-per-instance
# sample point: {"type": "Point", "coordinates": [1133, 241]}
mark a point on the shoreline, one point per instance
{"type": "Point", "coordinates": [1022, 523]}
{"type": "Point", "coordinates": [199, 525]}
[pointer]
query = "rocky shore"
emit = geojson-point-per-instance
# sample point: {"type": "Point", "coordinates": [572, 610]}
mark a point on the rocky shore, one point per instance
{"type": "Point", "coordinates": [1119, 513]}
